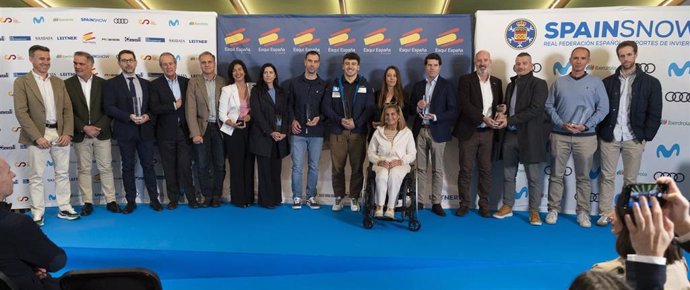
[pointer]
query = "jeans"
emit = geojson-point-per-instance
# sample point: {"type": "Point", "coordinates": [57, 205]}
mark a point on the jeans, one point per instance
{"type": "Point", "coordinates": [210, 157]}
{"type": "Point", "coordinates": [312, 146]}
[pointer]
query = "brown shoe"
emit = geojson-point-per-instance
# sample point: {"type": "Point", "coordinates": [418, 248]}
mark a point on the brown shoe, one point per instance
{"type": "Point", "coordinates": [534, 218]}
{"type": "Point", "coordinates": [504, 212]}
{"type": "Point", "coordinates": [484, 212]}
{"type": "Point", "coordinates": [461, 211]}
{"type": "Point", "coordinates": [438, 210]}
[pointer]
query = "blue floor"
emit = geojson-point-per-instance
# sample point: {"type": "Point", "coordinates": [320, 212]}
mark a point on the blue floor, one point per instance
{"type": "Point", "coordinates": [256, 248]}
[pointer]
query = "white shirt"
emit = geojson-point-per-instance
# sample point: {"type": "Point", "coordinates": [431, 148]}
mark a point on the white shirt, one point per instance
{"type": "Point", "coordinates": [46, 89]}
{"type": "Point", "coordinates": [86, 88]}
{"type": "Point", "coordinates": [622, 130]}
{"type": "Point", "coordinates": [487, 98]}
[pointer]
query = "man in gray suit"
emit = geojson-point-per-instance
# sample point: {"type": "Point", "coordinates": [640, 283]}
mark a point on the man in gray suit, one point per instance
{"type": "Point", "coordinates": [203, 94]}
{"type": "Point", "coordinates": [44, 112]}
{"type": "Point", "coordinates": [92, 132]}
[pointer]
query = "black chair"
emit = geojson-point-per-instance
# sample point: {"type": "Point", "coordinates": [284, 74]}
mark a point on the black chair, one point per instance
{"type": "Point", "coordinates": [6, 283]}
{"type": "Point", "coordinates": [111, 279]}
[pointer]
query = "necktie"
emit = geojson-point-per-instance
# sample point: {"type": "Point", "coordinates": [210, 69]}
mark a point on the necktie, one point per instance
{"type": "Point", "coordinates": [133, 95]}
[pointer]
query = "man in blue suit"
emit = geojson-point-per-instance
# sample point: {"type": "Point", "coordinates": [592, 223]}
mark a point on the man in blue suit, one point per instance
{"type": "Point", "coordinates": [126, 100]}
{"type": "Point", "coordinates": [435, 112]}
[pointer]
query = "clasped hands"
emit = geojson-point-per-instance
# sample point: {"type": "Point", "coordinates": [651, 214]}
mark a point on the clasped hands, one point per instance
{"type": "Point", "coordinates": [389, 164]}
{"type": "Point", "coordinates": [139, 119]}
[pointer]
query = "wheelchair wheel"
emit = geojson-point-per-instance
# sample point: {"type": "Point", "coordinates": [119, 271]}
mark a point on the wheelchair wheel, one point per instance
{"type": "Point", "coordinates": [414, 225]}
{"type": "Point", "coordinates": [368, 223]}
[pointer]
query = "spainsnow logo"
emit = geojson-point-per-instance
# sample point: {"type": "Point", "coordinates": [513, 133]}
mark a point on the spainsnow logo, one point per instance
{"type": "Point", "coordinates": [173, 22]}
{"type": "Point", "coordinates": [94, 20]}
{"type": "Point", "coordinates": [661, 150]}
{"type": "Point", "coordinates": [39, 20]}
{"type": "Point", "coordinates": [675, 70]}
{"type": "Point", "coordinates": [521, 33]}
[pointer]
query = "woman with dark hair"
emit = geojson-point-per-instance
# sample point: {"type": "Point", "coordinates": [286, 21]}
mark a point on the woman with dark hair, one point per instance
{"type": "Point", "coordinates": [596, 280]}
{"type": "Point", "coordinates": [233, 111]}
{"type": "Point", "coordinates": [268, 134]}
{"type": "Point", "coordinates": [676, 266]}
{"type": "Point", "coordinates": [391, 92]}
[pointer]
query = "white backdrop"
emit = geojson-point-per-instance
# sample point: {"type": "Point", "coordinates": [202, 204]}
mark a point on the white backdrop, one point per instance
{"type": "Point", "coordinates": [103, 33]}
{"type": "Point", "coordinates": [663, 36]}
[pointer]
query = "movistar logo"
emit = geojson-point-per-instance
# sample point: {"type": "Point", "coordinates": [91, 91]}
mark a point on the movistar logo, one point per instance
{"type": "Point", "coordinates": [559, 69]}
{"type": "Point", "coordinates": [594, 173]}
{"type": "Point", "coordinates": [38, 20]}
{"type": "Point", "coordinates": [173, 22]}
{"type": "Point", "coordinates": [523, 191]}
{"type": "Point", "coordinates": [666, 152]}
{"type": "Point", "coordinates": [674, 69]}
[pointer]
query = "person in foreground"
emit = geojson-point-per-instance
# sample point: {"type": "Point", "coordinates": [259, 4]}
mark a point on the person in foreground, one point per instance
{"type": "Point", "coordinates": [391, 150]}
{"type": "Point", "coordinates": [26, 254]}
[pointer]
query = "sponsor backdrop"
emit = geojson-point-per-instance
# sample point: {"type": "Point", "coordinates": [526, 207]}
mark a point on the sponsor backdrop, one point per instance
{"type": "Point", "coordinates": [663, 36]}
{"type": "Point", "coordinates": [103, 33]}
{"type": "Point", "coordinates": [379, 40]}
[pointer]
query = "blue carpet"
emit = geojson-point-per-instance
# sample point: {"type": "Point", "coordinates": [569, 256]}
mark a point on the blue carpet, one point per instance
{"type": "Point", "coordinates": [256, 248]}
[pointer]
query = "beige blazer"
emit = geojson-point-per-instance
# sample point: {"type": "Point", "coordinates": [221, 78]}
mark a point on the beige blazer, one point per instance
{"type": "Point", "coordinates": [31, 113]}
{"type": "Point", "coordinates": [197, 110]}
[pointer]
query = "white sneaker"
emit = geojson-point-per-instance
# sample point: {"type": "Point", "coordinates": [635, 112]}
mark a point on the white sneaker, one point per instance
{"type": "Point", "coordinates": [296, 203]}
{"type": "Point", "coordinates": [312, 203]}
{"type": "Point", "coordinates": [69, 215]}
{"type": "Point", "coordinates": [338, 204]}
{"type": "Point", "coordinates": [551, 217]}
{"type": "Point", "coordinates": [379, 211]}
{"type": "Point", "coordinates": [39, 221]}
{"type": "Point", "coordinates": [583, 219]}
{"type": "Point", "coordinates": [390, 213]}
{"type": "Point", "coordinates": [603, 221]}
{"type": "Point", "coordinates": [354, 204]}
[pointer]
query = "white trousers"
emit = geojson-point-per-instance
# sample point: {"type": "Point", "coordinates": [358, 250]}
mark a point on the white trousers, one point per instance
{"type": "Point", "coordinates": [38, 161]}
{"type": "Point", "coordinates": [389, 181]}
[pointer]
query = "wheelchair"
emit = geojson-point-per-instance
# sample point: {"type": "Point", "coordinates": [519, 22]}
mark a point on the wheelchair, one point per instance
{"type": "Point", "coordinates": [406, 205]}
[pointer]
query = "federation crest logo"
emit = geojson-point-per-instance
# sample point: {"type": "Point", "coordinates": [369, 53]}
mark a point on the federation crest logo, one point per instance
{"type": "Point", "coordinates": [521, 33]}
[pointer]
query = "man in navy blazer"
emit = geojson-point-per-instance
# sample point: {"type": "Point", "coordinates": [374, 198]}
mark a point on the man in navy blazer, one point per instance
{"type": "Point", "coordinates": [478, 95]}
{"type": "Point", "coordinates": [126, 100]}
{"type": "Point", "coordinates": [434, 114]}
{"type": "Point", "coordinates": [167, 103]}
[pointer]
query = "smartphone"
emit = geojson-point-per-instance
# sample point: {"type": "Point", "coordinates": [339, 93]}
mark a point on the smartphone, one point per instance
{"type": "Point", "coordinates": [633, 192]}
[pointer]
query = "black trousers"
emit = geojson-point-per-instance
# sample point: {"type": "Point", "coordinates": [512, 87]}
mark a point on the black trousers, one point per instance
{"type": "Point", "coordinates": [270, 192]}
{"type": "Point", "coordinates": [176, 158]}
{"type": "Point", "coordinates": [128, 150]}
{"type": "Point", "coordinates": [241, 167]}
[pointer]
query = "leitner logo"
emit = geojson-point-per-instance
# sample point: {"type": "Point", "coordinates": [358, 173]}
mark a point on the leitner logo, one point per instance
{"type": "Point", "coordinates": [376, 38]}
{"type": "Point", "coordinates": [677, 97]}
{"type": "Point", "coordinates": [677, 176]}
{"type": "Point", "coordinates": [667, 153]}
{"type": "Point", "coordinates": [340, 38]}
{"type": "Point", "coordinates": [412, 38]}
{"type": "Point", "coordinates": [674, 69]}
{"type": "Point", "coordinates": [521, 33]}
{"type": "Point", "coordinates": [523, 191]}
{"type": "Point", "coordinates": [648, 67]}
{"type": "Point", "coordinates": [559, 69]}
{"type": "Point", "coordinates": [39, 20]}
{"type": "Point", "coordinates": [270, 37]}
{"type": "Point", "coordinates": [173, 22]}
{"type": "Point", "coordinates": [449, 38]}
{"type": "Point", "coordinates": [305, 37]}
{"type": "Point", "coordinates": [236, 37]}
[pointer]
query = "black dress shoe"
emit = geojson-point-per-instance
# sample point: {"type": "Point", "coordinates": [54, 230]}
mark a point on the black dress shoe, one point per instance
{"type": "Point", "coordinates": [193, 204]}
{"type": "Point", "coordinates": [438, 210]}
{"type": "Point", "coordinates": [129, 208]}
{"type": "Point", "coordinates": [87, 209]}
{"type": "Point", "coordinates": [461, 211]}
{"type": "Point", "coordinates": [156, 205]}
{"type": "Point", "coordinates": [206, 203]}
{"type": "Point", "coordinates": [172, 205]}
{"type": "Point", "coordinates": [113, 207]}
{"type": "Point", "coordinates": [215, 203]}
{"type": "Point", "coordinates": [484, 212]}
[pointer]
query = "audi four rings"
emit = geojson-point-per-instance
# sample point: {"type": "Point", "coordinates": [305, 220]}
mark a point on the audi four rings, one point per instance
{"type": "Point", "coordinates": [536, 67]}
{"type": "Point", "coordinates": [648, 67]}
{"type": "Point", "coordinates": [677, 97]}
{"type": "Point", "coordinates": [120, 20]}
{"type": "Point", "coordinates": [677, 176]}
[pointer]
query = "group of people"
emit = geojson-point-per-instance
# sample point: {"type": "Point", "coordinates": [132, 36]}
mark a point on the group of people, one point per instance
{"type": "Point", "coordinates": [206, 118]}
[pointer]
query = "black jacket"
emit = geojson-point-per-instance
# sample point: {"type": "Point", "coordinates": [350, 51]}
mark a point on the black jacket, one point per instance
{"type": "Point", "coordinates": [162, 105]}
{"type": "Point", "coordinates": [264, 113]}
{"type": "Point", "coordinates": [362, 109]}
{"type": "Point", "coordinates": [645, 106]}
{"type": "Point", "coordinates": [302, 94]}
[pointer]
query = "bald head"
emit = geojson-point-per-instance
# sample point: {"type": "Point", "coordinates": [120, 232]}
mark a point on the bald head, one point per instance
{"type": "Point", "coordinates": [6, 179]}
{"type": "Point", "coordinates": [482, 62]}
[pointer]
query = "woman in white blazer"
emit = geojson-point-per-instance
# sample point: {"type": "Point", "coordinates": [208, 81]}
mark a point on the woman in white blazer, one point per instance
{"type": "Point", "coordinates": [233, 111]}
{"type": "Point", "coordinates": [391, 150]}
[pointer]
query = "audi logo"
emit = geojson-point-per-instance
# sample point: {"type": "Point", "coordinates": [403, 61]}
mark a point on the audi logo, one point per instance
{"type": "Point", "coordinates": [536, 67]}
{"type": "Point", "coordinates": [677, 176]}
{"type": "Point", "coordinates": [594, 197]}
{"type": "Point", "coordinates": [568, 170]}
{"type": "Point", "coordinates": [648, 67]}
{"type": "Point", "coordinates": [120, 20]}
{"type": "Point", "coordinates": [677, 97]}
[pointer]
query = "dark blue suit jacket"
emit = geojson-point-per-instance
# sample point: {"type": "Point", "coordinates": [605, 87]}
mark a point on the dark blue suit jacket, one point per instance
{"type": "Point", "coordinates": [362, 109]}
{"type": "Point", "coordinates": [163, 106]}
{"type": "Point", "coordinates": [443, 104]}
{"type": "Point", "coordinates": [118, 105]}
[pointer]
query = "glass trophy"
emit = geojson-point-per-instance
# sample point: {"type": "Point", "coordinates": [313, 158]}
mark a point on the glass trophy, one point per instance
{"type": "Point", "coordinates": [580, 116]}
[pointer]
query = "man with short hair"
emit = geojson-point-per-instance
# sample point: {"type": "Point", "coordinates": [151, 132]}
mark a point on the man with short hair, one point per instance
{"type": "Point", "coordinates": [126, 100]}
{"type": "Point", "coordinates": [203, 96]}
{"type": "Point", "coordinates": [92, 132]}
{"type": "Point", "coordinates": [26, 254]}
{"type": "Point", "coordinates": [633, 119]}
{"type": "Point", "coordinates": [577, 102]}
{"type": "Point", "coordinates": [527, 129]}
{"type": "Point", "coordinates": [348, 104]}
{"type": "Point", "coordinates": [479, 94]}
{"type": "Point", "coordinates": [435, 112]}
{"type": "Point", "coordinates": [44, 111]}
{"type": "Point", "coordinates": [305, 94]}
{"type": "Point", "coordinates": [167, 103]}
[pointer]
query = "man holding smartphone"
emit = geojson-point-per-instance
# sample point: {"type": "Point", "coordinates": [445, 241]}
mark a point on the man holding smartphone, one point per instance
{"type": "Point", "coordinates": [305, 93]}
{"type": "Point", "coordinates": [435, 112]}
{"type": "Point", "coordinates": [634, 117]}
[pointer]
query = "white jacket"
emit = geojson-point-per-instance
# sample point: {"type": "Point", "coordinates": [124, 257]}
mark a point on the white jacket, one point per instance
{"type": "Point", "coordinates": [229, 105]}
{"type": "Point", "coordinates": [402, 147]}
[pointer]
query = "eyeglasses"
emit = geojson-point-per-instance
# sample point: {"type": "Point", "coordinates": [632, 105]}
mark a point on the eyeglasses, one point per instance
{"type": "Point", "coordinates": [131, 60]}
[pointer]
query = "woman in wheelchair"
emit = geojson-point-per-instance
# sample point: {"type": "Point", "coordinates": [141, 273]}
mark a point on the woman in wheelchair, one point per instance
{"type": "Point", "coordinates": [391, 150]}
